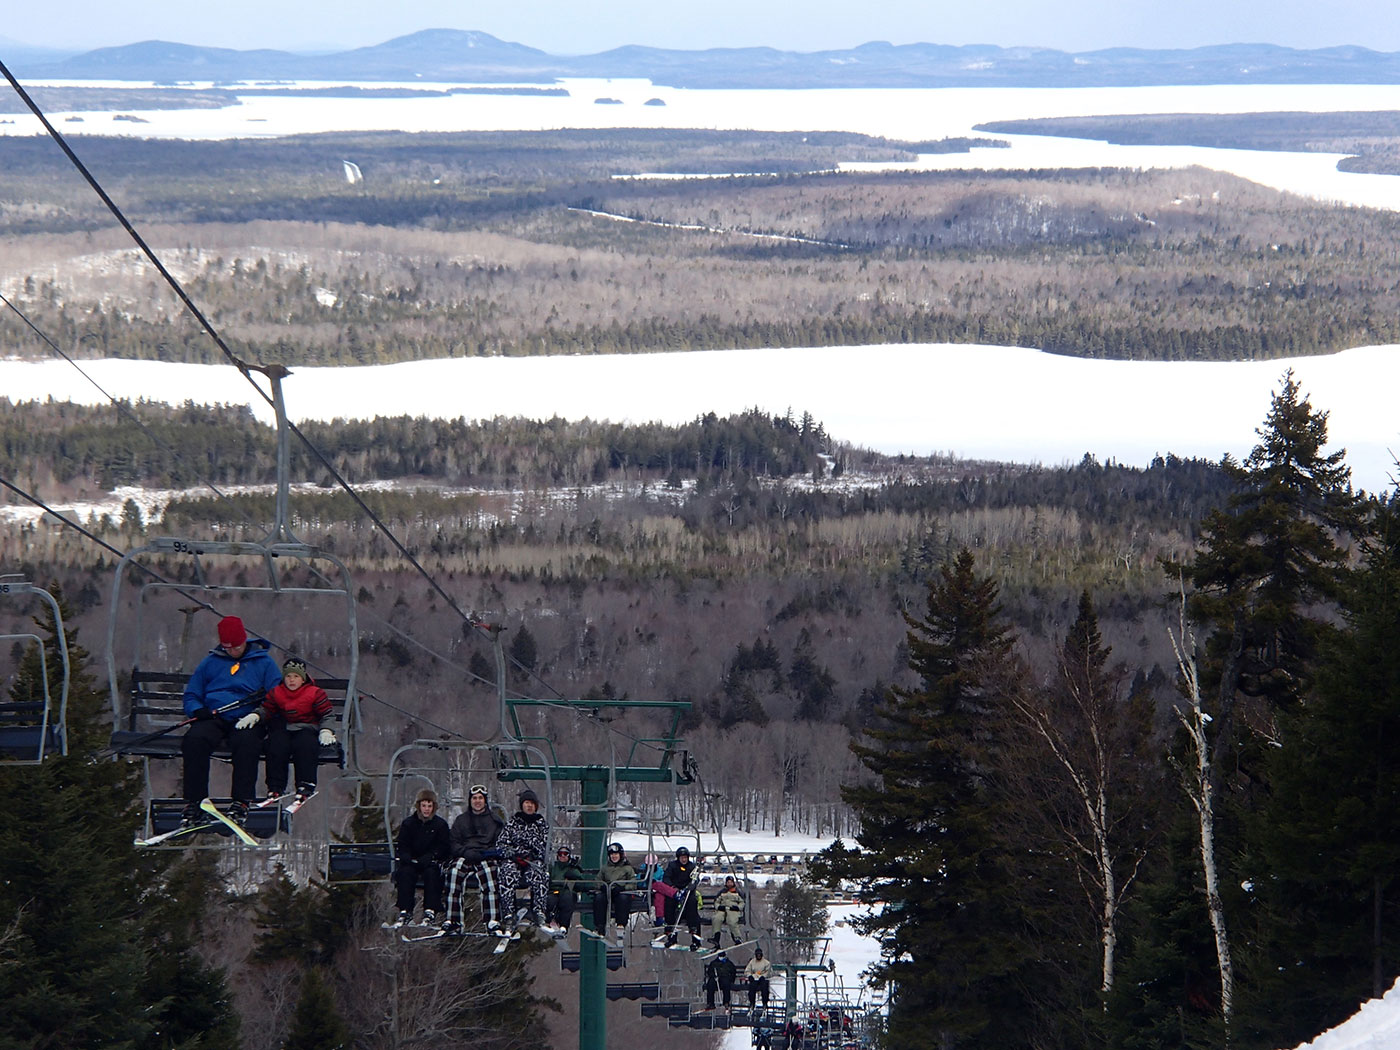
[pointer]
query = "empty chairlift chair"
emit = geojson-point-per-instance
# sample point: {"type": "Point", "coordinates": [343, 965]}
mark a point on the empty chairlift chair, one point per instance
{"type": "Point", "coordinates": [34, 709]}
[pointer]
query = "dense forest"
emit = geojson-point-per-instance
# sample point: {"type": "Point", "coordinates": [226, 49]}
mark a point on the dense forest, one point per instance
{"type": "Point", "coordinates": [789, 552]}
{"type": "Point", "coordinates": [1044, 872]}
{"type": "Point", "coordinates": [514, 243]}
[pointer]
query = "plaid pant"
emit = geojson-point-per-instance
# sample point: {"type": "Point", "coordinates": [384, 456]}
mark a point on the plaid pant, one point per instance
{"type": "Point", "coordinates": [487, 878]}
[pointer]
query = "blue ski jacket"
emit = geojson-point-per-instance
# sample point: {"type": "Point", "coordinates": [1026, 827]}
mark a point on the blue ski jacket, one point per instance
{"type": "Point", "coordinates": [220, 680]}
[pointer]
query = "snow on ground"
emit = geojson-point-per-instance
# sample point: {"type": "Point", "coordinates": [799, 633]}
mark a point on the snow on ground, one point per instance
{"type": "Point", "coordinates": [1010, 404]}
{"type": "Point", "coordinates": [1376, 1026]}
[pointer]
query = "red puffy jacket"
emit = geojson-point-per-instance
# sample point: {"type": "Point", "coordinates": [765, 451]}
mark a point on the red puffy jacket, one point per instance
{"type": "Point", "coordinates": [307, 706]}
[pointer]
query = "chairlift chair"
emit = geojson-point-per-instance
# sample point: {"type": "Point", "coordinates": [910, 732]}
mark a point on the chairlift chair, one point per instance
{"type": "Point", "coordinates": [35, 726]}
{"type": "Point", "coordinates": [160, 626]}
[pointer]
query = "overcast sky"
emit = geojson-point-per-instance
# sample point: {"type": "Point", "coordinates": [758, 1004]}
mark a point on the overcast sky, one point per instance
{"type": "Point", "coordinates": [799, 25]}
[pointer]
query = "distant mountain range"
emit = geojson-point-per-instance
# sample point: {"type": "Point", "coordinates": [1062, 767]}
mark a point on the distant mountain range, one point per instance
{"type": "Point", "coordinates": [449, 55]}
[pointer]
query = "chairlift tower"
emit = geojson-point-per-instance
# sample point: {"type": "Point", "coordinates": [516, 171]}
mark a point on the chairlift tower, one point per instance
{"type": "Point", "coordinates": [596, 783]}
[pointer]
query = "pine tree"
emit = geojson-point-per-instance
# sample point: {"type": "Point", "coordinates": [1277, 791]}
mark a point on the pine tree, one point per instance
{"type": "Point", "coordinates": [1077, 760]}
{"type": "Point", "coordinates": [1270, 561]}
{"type": "Point", "coordinates": [1265, 581]}
{"type": "Point", "coordinates": [798, 913]}
{"type": "Point", "coordinates": [953, 955]}
{"type": "Point", "coordinates": [98, 952]}
{"type": "Point", "coordinates": [1327, 845]}
{"type": "Point", "coordinates": [316, 1025]}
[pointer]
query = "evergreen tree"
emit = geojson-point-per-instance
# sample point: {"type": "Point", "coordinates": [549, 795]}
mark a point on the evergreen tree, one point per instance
{"type": "Point", "coordinates": [798, 912]}
{"type": "Point", "coordinates": [99, 950]}
{"type": "Point", "coordinates": [953, 954]}
{"type": "Point", "coordinates": [523, 651]}
{"type": "Point", "coordinates": [1327, 845]}
{"type": "Point", "coordinates": [316, 1025]}
{"type": "Point", "coordinates": [1270, 561]}
{"type": "Point", "coordinates": [1266, 582]}
{"type": "Point", "coordinates": [1168, 989]}
{"type": "Point", "coordinates": [1078, 769]}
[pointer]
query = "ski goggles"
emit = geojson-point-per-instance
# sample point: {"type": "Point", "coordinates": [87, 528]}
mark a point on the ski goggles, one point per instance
{"type": "Point", "coordinates": [477, 789]}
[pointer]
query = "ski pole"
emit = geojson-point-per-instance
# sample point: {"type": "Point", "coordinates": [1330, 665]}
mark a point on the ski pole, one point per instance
{"type": "Point", "coordinates": [188, 721]}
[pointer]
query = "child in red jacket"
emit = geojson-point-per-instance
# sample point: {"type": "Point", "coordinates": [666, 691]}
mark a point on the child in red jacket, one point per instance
{"type": "Point", "coordinates": [294, 711]}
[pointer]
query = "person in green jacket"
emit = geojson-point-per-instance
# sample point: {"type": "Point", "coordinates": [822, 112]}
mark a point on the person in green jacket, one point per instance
{"type": "Point", "coordinates": [729, 909]}
{"type": "Point", "coordinates": [564, 873]}
{"type": "Point", "coordinates": [617, 879]}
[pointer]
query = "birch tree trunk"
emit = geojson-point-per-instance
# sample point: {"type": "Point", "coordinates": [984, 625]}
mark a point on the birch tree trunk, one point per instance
{"type": "Point", "coordinates": [1200, 788]}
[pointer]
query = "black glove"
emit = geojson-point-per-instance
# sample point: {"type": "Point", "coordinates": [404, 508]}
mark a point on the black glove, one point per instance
{"type": "Point", "coordinates": [203, 714]}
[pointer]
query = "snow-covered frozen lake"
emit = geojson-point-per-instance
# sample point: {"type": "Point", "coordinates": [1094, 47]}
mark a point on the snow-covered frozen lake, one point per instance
{"type": "Point", "coordinates": [905, 113]}
{"type": "Point", "coordinates": [983, 402]}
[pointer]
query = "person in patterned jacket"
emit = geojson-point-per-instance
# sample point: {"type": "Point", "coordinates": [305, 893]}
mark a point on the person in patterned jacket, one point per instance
{"type": "Point", "coordinates": [294, 711]}
{"type": "Point", "coordinates": [524, 844]}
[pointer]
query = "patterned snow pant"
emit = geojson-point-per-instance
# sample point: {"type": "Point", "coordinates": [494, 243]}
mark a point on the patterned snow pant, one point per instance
{"type": "Point", "coordinates": [487, 881]}
{"type": "Point", "coordinates": [534, 876]}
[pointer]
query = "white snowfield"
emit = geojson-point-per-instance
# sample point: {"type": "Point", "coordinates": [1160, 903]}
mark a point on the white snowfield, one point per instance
{"type": "Point", "coordinates": [1011, 404]}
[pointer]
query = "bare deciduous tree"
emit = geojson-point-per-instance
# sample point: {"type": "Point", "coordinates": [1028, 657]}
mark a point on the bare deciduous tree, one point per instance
{"type": "Point", "coordinates": [1199, 781]}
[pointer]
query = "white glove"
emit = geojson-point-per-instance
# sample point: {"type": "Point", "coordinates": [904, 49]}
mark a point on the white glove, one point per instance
{"type": "Point", "coordinates": [325, 738]}
{"type": "Point", "coordinates": [248, 721]}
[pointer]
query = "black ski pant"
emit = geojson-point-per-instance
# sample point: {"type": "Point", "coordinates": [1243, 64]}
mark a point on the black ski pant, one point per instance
{"type": "Point", "coordinates": [406, 882]}
{"type": "Point", "coordinates": [198, 747]}
{"type": "Point", "coordinates": [689, 913]}
{"type": "Point", "coordinates": [562, 905]}
{"type": "Point", "coordinates": [621, 906]}
{"type": "Point", "coordinates": [725, 990]}
{"type": "Point", "coordinates": [300, 746]}
{"type": "Point", "coordinates": [758, 986]}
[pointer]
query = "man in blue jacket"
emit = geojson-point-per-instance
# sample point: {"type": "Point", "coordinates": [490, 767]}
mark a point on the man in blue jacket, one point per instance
{"type": "Point", "coordinates": [225, 690]}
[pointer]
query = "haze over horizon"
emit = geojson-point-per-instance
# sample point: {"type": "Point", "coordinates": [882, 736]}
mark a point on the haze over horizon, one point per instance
{"type": "Point", "coordinates": [568, 29]}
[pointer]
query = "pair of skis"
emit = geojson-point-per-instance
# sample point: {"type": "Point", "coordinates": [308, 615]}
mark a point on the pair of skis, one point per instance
{"type": "Point", "coordinates": [297, 801]}
{"type": "Point", "coordinates": [217, 820]}
{"type": "Point", "coordinates": [707, 956]}
{"type": "Point", "coordinates": [503, 938]}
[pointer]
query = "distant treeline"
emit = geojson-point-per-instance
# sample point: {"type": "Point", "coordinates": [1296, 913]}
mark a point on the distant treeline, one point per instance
{"type": "Point", "coordinates": [177, 447]}
{"type": "Point", "coordinates": [183, 447]}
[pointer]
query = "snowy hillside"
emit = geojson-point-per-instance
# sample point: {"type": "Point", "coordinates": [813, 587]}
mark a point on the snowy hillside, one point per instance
{"type": "Point", "coordinates": [1376, 1026]}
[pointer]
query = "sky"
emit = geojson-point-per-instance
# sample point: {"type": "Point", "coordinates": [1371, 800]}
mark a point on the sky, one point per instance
{"type": "Point", "coordinates": [562, 27]}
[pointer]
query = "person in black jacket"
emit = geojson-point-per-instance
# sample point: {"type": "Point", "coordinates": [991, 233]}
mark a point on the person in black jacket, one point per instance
{"type": "Point", "coordinates": [423, 844]}
{"type": "Point", "coordinates": [474, 852]}
{"type": "Point", "coordinates": [680, 875]}
{"type": "Point", "coordinates": [720, 972]}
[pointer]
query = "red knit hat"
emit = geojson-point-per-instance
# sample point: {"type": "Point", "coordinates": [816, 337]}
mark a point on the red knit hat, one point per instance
{"type": "Point", "coordinates": [231, 632]}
